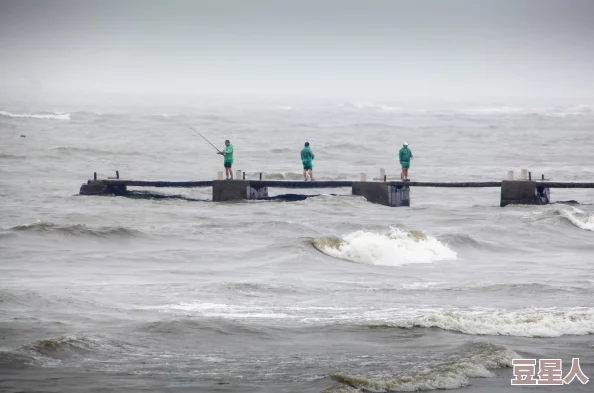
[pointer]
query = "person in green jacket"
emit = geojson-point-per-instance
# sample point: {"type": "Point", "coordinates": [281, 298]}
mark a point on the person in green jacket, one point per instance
{"type": "Point", "coordinates": [405, 157]}
{"type": "Point", "coordinates": [307, 157]}
{"type": "Point", "coordinates": [228, 163]}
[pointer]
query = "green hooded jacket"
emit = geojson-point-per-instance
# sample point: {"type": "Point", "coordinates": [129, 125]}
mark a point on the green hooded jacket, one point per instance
{"type": "Point", "coordinates": [307, 156]}
{"type": "Point", "coordinates": [405, 155]}
{"type": "Point", "coordinates": [228, 154]}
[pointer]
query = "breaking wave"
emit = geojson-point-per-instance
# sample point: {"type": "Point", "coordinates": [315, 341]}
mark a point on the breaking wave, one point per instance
{"type": "Point", "coordinates": [475, 361]}
{"type": "Point", "coordinates": [553, 322]}
{"type": "Point", "coordinates": [577, 217]}
{"type": "Point", "coordinates": [44, 227]}
{"type": "Point", "coordinates": [559, 111]}
{"type": "Point", "coordinates": [395, 248]}
{"type": "Point", "coordinates": [43, 115]}
{"type": "Point", "coordinates": [276, 175]}
{"type": "Point", "coordinates": [371, 106]}
{"type": "Point", "coordinates": [531, 322]}
{"type": "Point", "coordinates": [62, 345]}
{"type": "Point", "coordinates": [53, 351]}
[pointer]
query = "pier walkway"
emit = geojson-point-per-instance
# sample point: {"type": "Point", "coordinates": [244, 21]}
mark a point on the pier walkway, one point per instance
{"type": "Point", "coordinates": [389, 193]}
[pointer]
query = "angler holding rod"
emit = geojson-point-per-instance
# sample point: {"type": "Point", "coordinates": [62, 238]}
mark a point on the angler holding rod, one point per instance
{"type": "Point", "coordinates": [228, 163]}
{"type": "Point", "coordinates": [227, 153]}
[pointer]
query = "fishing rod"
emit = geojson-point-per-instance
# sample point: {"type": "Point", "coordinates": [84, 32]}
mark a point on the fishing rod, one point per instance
{"type": "Point", "coordinates": [193, 129]}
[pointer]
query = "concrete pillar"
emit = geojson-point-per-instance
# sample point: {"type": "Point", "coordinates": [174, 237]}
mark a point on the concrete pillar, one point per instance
{"type": "Point", "coordinates": [398, 196]}
{"type": "Point", "coordinates": [543, 195]}
{"type": "Point", "coordinates": [363, 177]}
{"type": "Point", "coordinates": [510, 175]}
{"type": "Point", "coordinates": [386, 194]}
{"type": "Point", "coordinates": [94, 187]}
{"type": "Point", "coordinates": [524, 175]}
{"type": "Point", "coordinates": [523, 192]}
{"type": "Point", "coordinates": [238, 175]}
{"type": "Point", "coordinates": [223, 190]}
{"type": "Point", "coordinates": [220, 175]}
{"type": "Point", "coordinates": [98, 187]}
{"type": "Point", "coordinates": [382, 174]}
{"type": "Point", "coordinates": [258, 192]}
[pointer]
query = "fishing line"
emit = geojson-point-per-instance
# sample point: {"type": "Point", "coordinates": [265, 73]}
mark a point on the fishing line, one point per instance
{"type": "Point", "coordinates": [193, 129]}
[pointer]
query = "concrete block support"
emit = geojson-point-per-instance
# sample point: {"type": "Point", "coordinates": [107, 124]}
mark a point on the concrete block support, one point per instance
{"type": "Point", "coordinates": [523, 193]}
{"type": "Point", "coordinates": [258, 193]}
{"type": "Point", "coordinates": [386, 194]}
{"type": "Point", "coordinates": [399, 196]}
{"type": "Point", "coordinates": [235, 190]}
{"type": "Point", "coordinates": [98, 187]}
{"type": "Point", "coordinates": [230, 190]}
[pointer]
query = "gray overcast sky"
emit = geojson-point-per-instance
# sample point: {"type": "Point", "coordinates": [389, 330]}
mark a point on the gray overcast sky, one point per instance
{"type": "Point", "coordinates": [398, 49]}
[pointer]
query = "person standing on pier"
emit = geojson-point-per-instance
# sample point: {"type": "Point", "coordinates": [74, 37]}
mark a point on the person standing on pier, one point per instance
{"type": "Point", "coordinates": [405, 157]}
{"type": "Point", "coordinates": [307, 157]}
{"type": "Point", "coordinates": [228, 154]}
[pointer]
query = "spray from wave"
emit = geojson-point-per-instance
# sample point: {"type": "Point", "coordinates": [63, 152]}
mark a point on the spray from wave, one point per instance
{"type": "Point", "coordinates": [474, 361]}
{"type": "Point", "coordinates": [395, 248]}
{"type": "Point", "coordinates": [577, 217]}
{"type": "Point", "coordinates": [43, 115]}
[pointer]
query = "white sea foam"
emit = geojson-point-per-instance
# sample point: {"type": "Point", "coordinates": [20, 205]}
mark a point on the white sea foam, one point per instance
{"type": "Point", "coordinates": [371, 106]}
{"type": "Point", "coordinates": [497, 110]}
{"type": "Point", "coordinates": [395, 248]}
{"type": "Point", "coordinates": [44, 116]}
{"type": "Point", "coordinates": [552, 322]}
{"type": "Point", "coordinates": [378, 107]}
{"type": "Point", "coordinates": [531, 322]}
{"type": "Point", "coordinates": [218, 310]}
{"type": "Point", "coordinates": [574, 110]}
{"type": "Point", "coordinates": [577, 217]}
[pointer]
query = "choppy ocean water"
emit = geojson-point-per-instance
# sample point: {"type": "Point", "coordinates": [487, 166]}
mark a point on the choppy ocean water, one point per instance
{"type": "Point", "coordinates": [327, 294]}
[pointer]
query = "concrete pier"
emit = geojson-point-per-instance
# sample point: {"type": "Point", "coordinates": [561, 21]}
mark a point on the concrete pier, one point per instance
{"type": "Point", "coordinates": [392, 193]}
{"type": "Point", "coordinates": [524, 192]}
{"type": "Point", "coordinates": [387, 194]}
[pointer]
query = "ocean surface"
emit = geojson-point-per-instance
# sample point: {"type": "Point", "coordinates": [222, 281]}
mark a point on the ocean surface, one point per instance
{"type": "Point", "coordinates": [167, 291]}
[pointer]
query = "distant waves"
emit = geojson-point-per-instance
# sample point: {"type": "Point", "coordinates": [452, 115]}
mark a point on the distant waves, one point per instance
{"type": "Point", "coordinates": [49, 228]}
{"type": "Point", "coordinates": [41, 115]}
